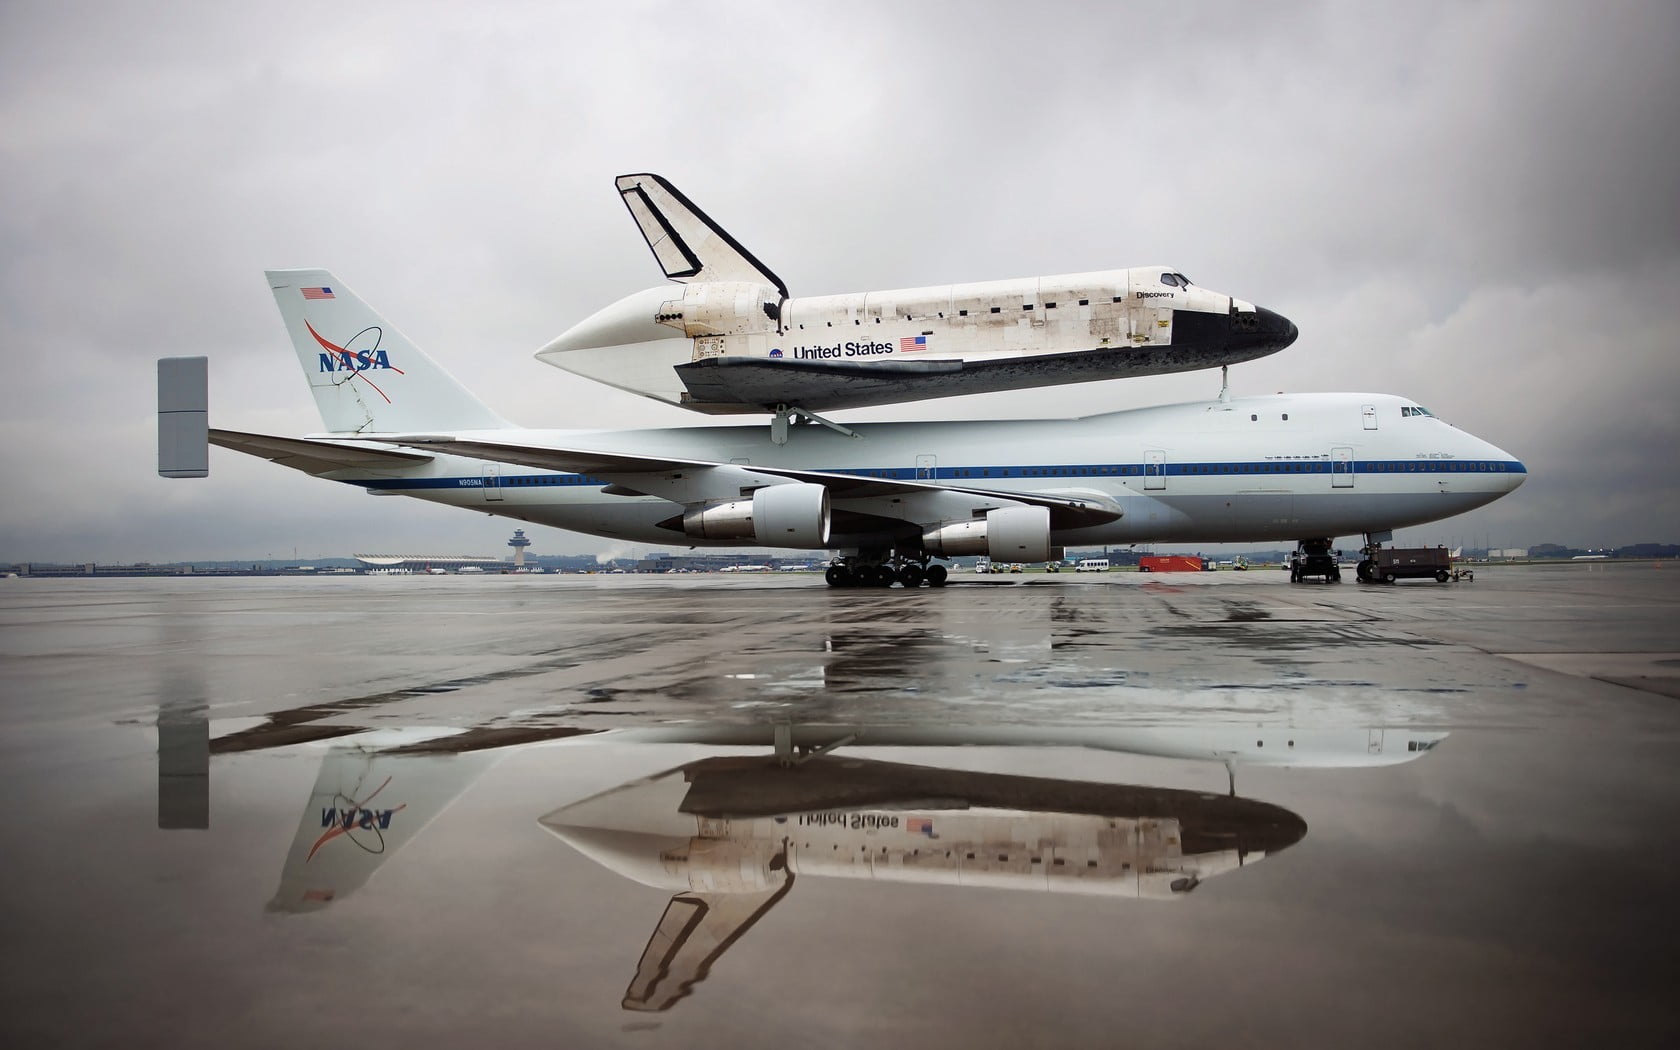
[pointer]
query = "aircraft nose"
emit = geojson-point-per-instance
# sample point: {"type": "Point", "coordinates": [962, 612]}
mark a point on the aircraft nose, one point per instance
{"type": "Point", "coordinates": [1264, 330]}
{"type": "Point", "coordinates": [1510, 472]}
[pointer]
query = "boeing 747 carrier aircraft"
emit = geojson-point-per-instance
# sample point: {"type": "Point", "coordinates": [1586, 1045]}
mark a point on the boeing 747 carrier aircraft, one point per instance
{"type": "Point", "coordinates": [731, 340]}
{"type": "Point", "coordinates": [890, 499]}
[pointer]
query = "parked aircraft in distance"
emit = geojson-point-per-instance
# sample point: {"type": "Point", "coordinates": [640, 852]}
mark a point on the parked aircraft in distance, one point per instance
{"type": "Point", "coordinates": [731, 340]}
{"type": "Point", "coordinates": [888, 498]}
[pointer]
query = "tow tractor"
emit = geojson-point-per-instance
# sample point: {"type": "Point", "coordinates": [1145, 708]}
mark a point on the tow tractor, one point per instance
{"type": "Point", "coordinates": [1388, 564]}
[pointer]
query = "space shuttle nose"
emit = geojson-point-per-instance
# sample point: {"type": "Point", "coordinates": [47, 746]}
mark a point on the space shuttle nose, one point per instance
{"type": "Point", "coordinates": [1272, 330]}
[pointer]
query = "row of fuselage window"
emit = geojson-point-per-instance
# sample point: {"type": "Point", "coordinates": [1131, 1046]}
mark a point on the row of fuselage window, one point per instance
{"type": "Point", "coordinates": [1114, 470]}
{"type": "Point", "coordinates": [1025, 308]}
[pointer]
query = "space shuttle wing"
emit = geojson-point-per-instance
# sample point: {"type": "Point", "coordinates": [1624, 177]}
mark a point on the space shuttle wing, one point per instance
{"type": "Point", "coordinates": [768, 382]}
{"type": "Point", "coordinates": [688, 245]}
{"type": "Point", "coordinates": [313, 456]}
{"type": "Point", "coordinates": [692, 480]}
{"type": "Point", "coordinates": [694, 931]}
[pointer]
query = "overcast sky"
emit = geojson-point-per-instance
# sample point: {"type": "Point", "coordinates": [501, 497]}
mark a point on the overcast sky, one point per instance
{"type": "Point", "coordinates": [1471, 204]}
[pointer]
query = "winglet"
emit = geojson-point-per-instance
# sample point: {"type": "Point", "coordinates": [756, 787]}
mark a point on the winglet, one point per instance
{"type": "Point", "coordinates": [688, 245]}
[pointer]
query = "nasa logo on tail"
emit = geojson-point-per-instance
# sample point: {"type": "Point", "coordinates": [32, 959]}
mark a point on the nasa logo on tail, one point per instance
{"type": "Point", "coordinates": [349, 357]}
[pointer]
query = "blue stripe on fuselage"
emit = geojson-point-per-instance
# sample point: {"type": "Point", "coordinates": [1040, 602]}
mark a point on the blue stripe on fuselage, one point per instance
{"type": "Point", "coordinates": [1257, 468]}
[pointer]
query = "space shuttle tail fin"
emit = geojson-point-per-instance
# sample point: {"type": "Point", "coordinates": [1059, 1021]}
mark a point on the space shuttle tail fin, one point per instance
{"type": "Point", "coordinates": [688, 245]}
{"type": "Point", "coordinates": [695, 930]}
{"type": "Point", "coordinates": [367, 377]}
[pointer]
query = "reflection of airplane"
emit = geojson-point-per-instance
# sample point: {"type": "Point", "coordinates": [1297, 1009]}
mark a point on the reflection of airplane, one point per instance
{"type": "Point", "coordinates": [891, 496]}
{"type": "Point", "coordinates": [730, 340]}
{"type": "Point", "coordinates": [729, 836]}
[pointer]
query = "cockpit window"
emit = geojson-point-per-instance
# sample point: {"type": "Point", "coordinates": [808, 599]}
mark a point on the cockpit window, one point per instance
{"type": "Point", "coordinates": [1182, 280]}
{"type": "Point", "coordinates": [1415, 410]}
{"type": "Point", "coordinates": [1170, 280]}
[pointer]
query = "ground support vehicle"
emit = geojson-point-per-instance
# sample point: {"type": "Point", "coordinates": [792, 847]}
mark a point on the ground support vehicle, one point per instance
{"type": "Point", "coordinates": [1315, 558]}
{"type": "Point", "coordinates": [1388, 564]}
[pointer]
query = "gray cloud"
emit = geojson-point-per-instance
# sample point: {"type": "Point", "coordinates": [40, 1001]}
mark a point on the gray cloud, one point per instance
{"type": "Point", "coordinates": [1466, 203]}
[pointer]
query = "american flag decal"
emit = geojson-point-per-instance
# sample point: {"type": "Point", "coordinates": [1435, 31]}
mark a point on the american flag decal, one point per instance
{"type": "Point", "coordinates": [912, 342]}
{"type": "Point", "coordinates": [920, 826]}
{"type": "Point", "coordinates": [318, 293]}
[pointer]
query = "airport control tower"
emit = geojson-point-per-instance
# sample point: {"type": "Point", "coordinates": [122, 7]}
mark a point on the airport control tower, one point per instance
{"type": "Point", "coordinates": [519, 543]}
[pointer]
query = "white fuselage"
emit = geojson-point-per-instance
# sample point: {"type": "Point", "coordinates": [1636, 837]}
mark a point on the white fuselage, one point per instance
{"type": "Point", "coordinates": [1262, 468]}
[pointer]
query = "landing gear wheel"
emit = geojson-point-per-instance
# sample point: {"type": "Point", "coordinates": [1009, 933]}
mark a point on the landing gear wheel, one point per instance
{"type": "Point", "coordinates": [1362, 571]}
{"type": "Point", "coordinates": [910, 576]}
{"type": "Point", "coordinates": [838, 576]}
{"type": "Point", "coordinates": [936, 576]}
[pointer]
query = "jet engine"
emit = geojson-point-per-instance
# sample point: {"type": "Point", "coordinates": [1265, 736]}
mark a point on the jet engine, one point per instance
{"type": "Point", "coordinates": [792, 515]}
{"type": "Point", "coordinates": [1006, 534]}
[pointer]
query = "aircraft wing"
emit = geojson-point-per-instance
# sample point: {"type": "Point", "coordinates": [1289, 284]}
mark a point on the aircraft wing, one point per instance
{"type": "Point", "coordinates": [687, 480]}
{"type": "Point", "coordinates": [313, 456]}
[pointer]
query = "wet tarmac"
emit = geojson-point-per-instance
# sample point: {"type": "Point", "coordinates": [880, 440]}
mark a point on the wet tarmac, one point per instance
{"type": "Point", "coordinates": [1186, 810]}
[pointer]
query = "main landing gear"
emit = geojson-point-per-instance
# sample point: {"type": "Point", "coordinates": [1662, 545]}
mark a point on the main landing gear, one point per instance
{"type": "Point", "coordinates": [860, 571]}
{"type": "Point", "coordinates": [1366, 571]}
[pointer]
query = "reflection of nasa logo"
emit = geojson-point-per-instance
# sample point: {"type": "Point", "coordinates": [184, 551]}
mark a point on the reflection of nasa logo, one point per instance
{"type": "Point", "coordinates": [775, 354]}
{"type": "Point", "coordinates": [351, 818]}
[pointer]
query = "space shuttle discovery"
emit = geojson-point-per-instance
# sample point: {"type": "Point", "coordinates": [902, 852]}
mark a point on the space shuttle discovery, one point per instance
{"type": "Point", "coordinates": [731, 340]}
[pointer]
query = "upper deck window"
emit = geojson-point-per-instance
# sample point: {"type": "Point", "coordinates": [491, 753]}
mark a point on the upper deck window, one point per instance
{"type": "Point", "coordinates": [1170, 280]}
{"type": "Point", "coordinates": [1183, 281]}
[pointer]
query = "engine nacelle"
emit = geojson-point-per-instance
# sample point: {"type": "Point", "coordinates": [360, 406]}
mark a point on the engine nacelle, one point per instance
{"type": "Point", "coordinates": [1007, 534]}
{"type": "Point", "coordinates": [793, 515]}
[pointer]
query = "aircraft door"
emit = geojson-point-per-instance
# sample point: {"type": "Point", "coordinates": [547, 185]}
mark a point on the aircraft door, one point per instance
{"type": "Point", "coordinates": [492, 482]}
{"type": "Point", "coordinates": [927, 468]}
{"type": "Point", "coordinates": [1369, 414]}
{"type": "Point", "coordinates": [1154, 469]}
{"type": "Point", "coordinates": [1341, 468]}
